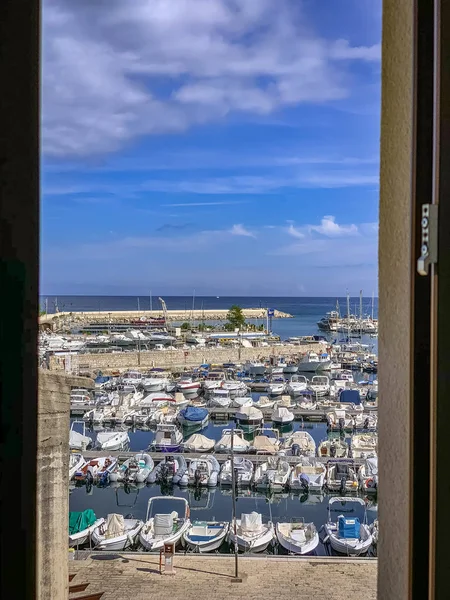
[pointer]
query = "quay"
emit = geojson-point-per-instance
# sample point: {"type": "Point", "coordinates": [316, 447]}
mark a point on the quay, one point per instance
{"type": "Point", "coordinates": [136, 575]}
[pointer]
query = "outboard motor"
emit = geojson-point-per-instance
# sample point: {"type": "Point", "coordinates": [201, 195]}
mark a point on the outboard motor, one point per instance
{"type": "Point", "coordinates": [295, 449]}
{"type": "Point", "coordinates": [366, 423]}
{"type": "Point", "coordinates": [332, 450]}
{"type": "Point", "coordinates": [197, 478]}
{"type": "Point", "coordinates": [341, 424]}
{"type": "Point", "coordinates": [304, 482]}
{"type": "Point", "coordinates": [342, 489]}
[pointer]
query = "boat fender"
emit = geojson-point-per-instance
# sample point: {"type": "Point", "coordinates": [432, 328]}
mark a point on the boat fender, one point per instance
{"type": "Point", "coordinates": [370, 483]}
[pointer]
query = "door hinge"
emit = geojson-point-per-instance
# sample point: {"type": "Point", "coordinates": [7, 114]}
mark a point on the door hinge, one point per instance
{"type": "Point", "coordinates": [429, 226]}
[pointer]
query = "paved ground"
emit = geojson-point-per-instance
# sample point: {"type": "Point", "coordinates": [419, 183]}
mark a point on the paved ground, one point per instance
{"type": "Point", "coordinates": [137, 577]}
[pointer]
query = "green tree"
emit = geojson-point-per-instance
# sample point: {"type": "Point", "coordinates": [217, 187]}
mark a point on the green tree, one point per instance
{"type": "Point", "coordinates": [185, 326]}
{"type": "Point", "coordinates": [236, 317]}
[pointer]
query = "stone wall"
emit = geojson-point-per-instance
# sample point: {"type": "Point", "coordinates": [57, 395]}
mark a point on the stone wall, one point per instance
{"type": "Point", "coordinates": [175, 358]}
{"type": "Point", "coordinates": [53, 482]}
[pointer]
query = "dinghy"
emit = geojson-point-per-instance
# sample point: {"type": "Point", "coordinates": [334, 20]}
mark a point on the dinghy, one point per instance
{"type": "Point", "coordinates": [297, 537]}
{"type": "Point", "coordinates": [204, 471]}
{"type": "Point", "coordinates": [272, 475]}
{"type": "Point", "coordinates": [112, 440]}
{"type": "Point", "coordinates": [299, 443]}
{"type": "Point", "coordinates": [243, 469]}
{"type": "Point", "coordinates": [173, 469]}
{"type": "Point", "coordinates": [249, 417]}
{"type": "Point", "coordinates": [334, 448]}
{"type": "Point", "coordinates": [282, 416]}
{"type": "Point", "coordinates": [198, 443]}
{"type": "Point", "coordinates": [134, 470]}
{"type": "Point", "coordinates": [97, 469]}
{"type": "Point", "coordinates": [205, 536]}
{"type": "Point", "coordinates": [252, 535]}
{"type": "Point", "coordinates": [77, 440]}
{"type": "Point", "coordinates": [193, 417]}
{"type": "Point", "coordinates": [347, 535]}
{"type": "Point", "coordinates": [76, 463]}
{"type": "Point", "coordinates": [364, 445]}
{"type": "Point", "coordinates": [81, 526]}
{"type": "Point", "coordinates": [368, 475]}
{"type": "Point", "coordinates": [240, 444]}
{"type": "Point", "coordinates": [308, 475]}
{"type": "Point", "coordinates": [341, 477]}
{"type": "Point", "coordinates": [116, 533]}
{"type": "Point", "coordinates": [164, 528]}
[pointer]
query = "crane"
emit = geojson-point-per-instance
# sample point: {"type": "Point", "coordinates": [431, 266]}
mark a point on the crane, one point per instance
{"type": "Point", "coordinates": [164, 307]}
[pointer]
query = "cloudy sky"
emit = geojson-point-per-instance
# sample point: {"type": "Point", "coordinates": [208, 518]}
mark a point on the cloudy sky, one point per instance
{"type": "Point", "coordinates": [229, 146]}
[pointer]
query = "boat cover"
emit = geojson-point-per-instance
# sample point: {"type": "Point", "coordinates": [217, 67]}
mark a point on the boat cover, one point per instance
{"type": "Point", "coordinates": [199, 442]}
{"type": "Point", "coordinates": [350, 396]}
{"type": "Point", "coordinates": [192, 413]}
{"type": "Point", "coordinates": [251, 413]}
{"type": "Point", "coordinates": [281, 412]}
{"type": "Point", "coordinates": [163, 524]}
{"type": "Point", "coordinates": [262, 443]}
{"type": "Point", "coordinates": [79, 521]}
{"type": "Point", "coordinates": [115, 525]}
{"type": "Point", "coordinates": [251, 522]}
{"type": "Point", "coordinates": [348, 528]}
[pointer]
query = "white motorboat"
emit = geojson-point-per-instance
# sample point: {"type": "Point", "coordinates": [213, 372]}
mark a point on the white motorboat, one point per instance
{"type": "Point", "coordinates": [76, 462]}
{"type": "Point", "coordinates": [131, 379]}
{"type": "Point", "coordinates": [205, 536]}
{"type": "Point", "coordinates": [116, 533]}
{"type": "Point", "coordinates": [368, 475]}
{"type": "Point", "coordinates": [276, 388]}
{"type": "Point", "coordinates": [366, 421]}
{"type": "Point", "coordinates": [252, 535]}
{"type": "Point", "coordinates": [112, 440]}
{"type": "Point", "coordinates": [249, 417]}
{"type": "Point", "coordinates": [97, 469]}
{"type": "Point", "coordinates": [282, 416]}
{"type": "Point", "coordinates": [264, 402]}
{"type": "Point", "coordinates": [364, 445]}
{"type": "Point", "coordinates": [299, 443]}
{"type": "Point", "coordinates": [320, 385]}
{"type": "Point", "coordinates": [308, 475]}
{"type": "Point", "coordinates": [306, 403]}
{"type": "Point", "coordinates": [285, 401]}
{"type": "Point", "coordinates": [155, 384]}
{"type": "Point", "coordinates": [203, 471]}
{"type": "Point", "coordinates": [347, 535]}
{"type": "Point", "coordinates": [297, 537]}
{"type": "Point", "coordinates": [134, 470]}
{"type": "Point", "coordinates": [220, 397]}
{"type": "Point", "coordinates": [192, 416]}
{"type": "Point", "coordinates": [315, 362]}
{"type": "Point", "coordinates": [188, 386]}
{"type": "Point", "coordinates": [157, 400]}
{"type": "Point", "coordinates": [198, 443]}
{"type": "Point", "coordinates": [164, 528]}
{"type": "Point", "coordinates": [80, 396]}
{"type": "Point", "coordinates": [242, 401]}
{"type": "Point", "coordinates": [266, 444]}
{"type": "Point", "coordinates": [81, 526]}
{"type": "Point", "coordinates": [253, 367]}
{"type": "Point", "coordinates": [334, 448]}
{"type": "Point", "coordinates": [213, 381]}
{"type": "Point", "coordinates": [341, 477]}
{"type": "Point", "coordinates": [243, 471]}
{"type": "Point", "coordinates": [290, 368]}
{"type": "Point", "coordinates": [240, 444]}
{"type": "Point", "coordinates": [236, 388]}
{"type": "Point", "coordinates": [339, 420]}
{"type": "Point", "coordinates": [168, 438]}
{"type": "Point", "coordinates": [297, 385]}
{"type": "Point", "coordinates": [77, 440]}
{"type": "Point", "coordinates": [272, 475]}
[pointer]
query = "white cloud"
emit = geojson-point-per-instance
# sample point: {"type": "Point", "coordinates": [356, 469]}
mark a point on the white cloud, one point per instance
{"type": "Point", "coordinates": [295, 232]}
{"type": "Point", "coordinates": [112, 72]}
{"type": "Point", "coordinates": [241, 230]}
{"type": "Point", "coordinates": [330, 228]}
{"type": "Point", "coordinates": [187, 204]}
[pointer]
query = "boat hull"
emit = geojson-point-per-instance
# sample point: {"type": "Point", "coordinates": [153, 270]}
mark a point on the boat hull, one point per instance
{"type": "Point", "coordinates": [295, 548]}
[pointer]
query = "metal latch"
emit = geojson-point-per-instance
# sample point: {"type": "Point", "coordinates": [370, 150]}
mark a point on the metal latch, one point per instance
{"type": "Point", "coordinates": [428, 249]}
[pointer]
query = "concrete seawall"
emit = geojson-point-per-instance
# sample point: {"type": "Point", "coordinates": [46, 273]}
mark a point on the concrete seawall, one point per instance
{"type": "Point", "coordinates": [121, 361]}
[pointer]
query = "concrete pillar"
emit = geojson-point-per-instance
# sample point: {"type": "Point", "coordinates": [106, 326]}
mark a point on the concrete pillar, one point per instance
{"type": "Point", "coordinates": [53, 483]}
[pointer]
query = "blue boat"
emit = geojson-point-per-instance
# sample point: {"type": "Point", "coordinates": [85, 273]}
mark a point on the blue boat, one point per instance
{"type": "Point", "coordinates": [193, 416]}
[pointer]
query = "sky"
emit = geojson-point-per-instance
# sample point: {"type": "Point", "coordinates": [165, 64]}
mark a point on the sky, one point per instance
{"type": "Point", "coordinates": [226, 146]}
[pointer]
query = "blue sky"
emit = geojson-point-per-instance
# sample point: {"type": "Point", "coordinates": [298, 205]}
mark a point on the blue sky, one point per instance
{"type": "Point", "coordinates": [223, 145]}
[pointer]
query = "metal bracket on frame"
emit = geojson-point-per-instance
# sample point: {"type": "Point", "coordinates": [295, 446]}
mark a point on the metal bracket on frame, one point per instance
{"type": "Point", "coordinates": [429, 224]}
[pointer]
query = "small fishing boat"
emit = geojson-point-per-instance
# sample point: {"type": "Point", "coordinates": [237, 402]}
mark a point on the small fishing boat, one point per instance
{"type": "Point", "coordinates": [240, 444]}
{"type": "Point", "coordinates": [308, 475]}
{"type": "Point", "coordinates": [112, 440]}
{"type": "Point", "coordinates": [76, 462]}
{"type": "Point", "coordinates": [266, 444]}
{"type": "Point", "coordinates": [249, 417]}
{"type": "Point", "coordinates": [341, 477]}
{"type": "Point", "coordinates": [368, 475]}
{"type": "Point", "coordinates": [205, 536]}
{"type": "Point", "coordinates": [253, 367]}
{"type": "Point", "coordinates": [77, 440]}
{"type": "Point", "coordinates": [220, 397]}
{"type": "Point", "coordinates": [117, 533]}
{"type": "Point", "coordinates": [193, 417]}
{"type": "Point", "coordinates": [264, 402]}
{"type": "Point", "coordinates": [198, 443]}
{"type": "Point", "coordinates": [252, 535]}
{"type": "Point", "coordinates": [97, 469]}
{"type": "Point", "coordinates": [276, 387]}
{"type": "Point", "coordinates": [236, 388]}
{"type": "Point", "coordinates": [334, 448]}
{"type": "Point", "coordinates": [272, 475]}
{"type": "Point", "coordinates": [243, 471]}
{"type": "Point", "coordinates": [203, 471]}
{"type": "Point", "coordinates": [134, 470]}
{"type": "Point", "coordinates": [188, 386]}
{"type": "Point", "coordinates": [168, 438]}
{"type": "Point", "coordinates": [282, 416]}
{"type": "Point", "coordinates": [364, 445]}
{"type": "Point", "coordinates": [80, 396]}
{"type": "Point", "coordinates": [365, 421]}
{"type": "Point", "coordinates": [81, 526]}
{"type": "Point", "coordinates": [339, 420]}
{"type": "Point", "coordinates": [164, 528]}
{"type": "Point", "coordinates": [297, 537]}
{"type": "Point", "coordinates": [347, 535]}
{"type": "Point", "coordinates": [299, 443]}
{"type": "Point", "coordinates": [315, 362]}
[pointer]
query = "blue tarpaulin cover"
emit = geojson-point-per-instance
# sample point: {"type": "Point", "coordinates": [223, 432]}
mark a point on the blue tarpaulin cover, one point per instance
{"type": "Point", "coordinates": [348, 528]}
{"type": "Point", "coordinates": [192, 413]}
{"type": "Point", "coordinates": [350, 396]}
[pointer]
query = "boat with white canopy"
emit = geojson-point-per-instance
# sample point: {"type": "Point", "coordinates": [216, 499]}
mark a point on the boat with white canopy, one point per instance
{"type": "Point", "coordinates": [252, 534]}
{"type": "Point", "coordinates": [116, 533]}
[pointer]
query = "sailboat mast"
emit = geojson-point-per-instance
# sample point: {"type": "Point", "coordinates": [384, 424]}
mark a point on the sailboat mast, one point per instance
{"type": "Point", "coordinates": [348, 314]}
{"type": "Point", "coordinates": [151, 301]}
{"type": "Point", "coordinates": [373, 298]}
{"type": "Point", "coordinates": [360, 312]}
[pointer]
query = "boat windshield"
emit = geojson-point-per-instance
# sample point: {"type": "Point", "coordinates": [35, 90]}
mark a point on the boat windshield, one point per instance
{"type": "Point", "coordinates": [165, 506]}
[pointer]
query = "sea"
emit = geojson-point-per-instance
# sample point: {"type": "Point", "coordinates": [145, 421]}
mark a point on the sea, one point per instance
{"type": "Point", "coordinates": [216, 504]}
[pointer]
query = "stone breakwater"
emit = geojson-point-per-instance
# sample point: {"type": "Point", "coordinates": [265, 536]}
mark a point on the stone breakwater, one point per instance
{"type": "Point", "coordinates": [173, 359]}
{"type": "Point", "coordinates": [173, 315]}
